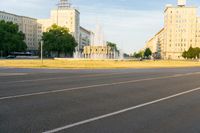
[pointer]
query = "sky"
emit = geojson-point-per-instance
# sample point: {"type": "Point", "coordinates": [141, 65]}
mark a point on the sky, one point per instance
{"type": "Point", "coordinates": [128, 23]}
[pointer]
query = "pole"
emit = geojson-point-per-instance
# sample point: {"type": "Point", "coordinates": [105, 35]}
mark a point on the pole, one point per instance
{"type": "Point", "coordinates": [41, 52]}
{"type": "Point", "coordinates": [199, 57]}
{"type": "Point", "coordinates": [1, 54]}
{"type": "Point", "coordinates": [114, 53]}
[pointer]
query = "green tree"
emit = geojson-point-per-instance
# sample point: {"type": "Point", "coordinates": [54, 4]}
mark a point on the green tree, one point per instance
{"type": "Point", "coordinates": [140, 54]}
{"type": "Point", "coordinates": [147, 52]}
{"type": "Point", "coordinates": [58, 39]}
{"type": "Point", "coordinates": [11, 39]}
{"type": "Point", "coordinates": [113, 46]}
{"type": "Point", "coordinates": [185, 54]}
{"type": "Point", "coordinates": [197, 52]}
{"type": "Point", "coordinates": [192, 53]}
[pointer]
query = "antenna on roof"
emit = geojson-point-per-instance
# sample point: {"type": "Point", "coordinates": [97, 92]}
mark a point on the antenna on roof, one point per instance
{"type": "Point", "coordinates": [64, 4]}
{"type": "Point", "coordinates": [181, 2]}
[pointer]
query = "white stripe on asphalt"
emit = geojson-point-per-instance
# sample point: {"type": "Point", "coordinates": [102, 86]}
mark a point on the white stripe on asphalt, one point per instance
{"type": "Point", "coordinates": [12, 74]}
{"type": "Point", "coordinates": [98, 85]}
{"type": "Point", "coordinates": [119, 112]}
{"type": "Point", "coordinates": [58, 78]}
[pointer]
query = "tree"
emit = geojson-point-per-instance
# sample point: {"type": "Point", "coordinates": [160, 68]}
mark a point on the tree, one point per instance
{"type": "Point", "coordinates": [11, 39]}
{"type": "Point", "coordinates": [192, 53]}
{"type": "Point", "coordinates": [147, 52]}
{"type": "Point", "coordinates": [114, 49]}
{"type": "Point", "coordinates": [185, 54]}
{"type": "Point", "coordinates": [58, 39]}
{"type": "Point", "coordinates": [112, 45]}
{"type": "Point", "coordinates": [140, 54]}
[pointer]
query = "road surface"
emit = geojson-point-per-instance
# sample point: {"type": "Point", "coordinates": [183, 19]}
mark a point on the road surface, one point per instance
{"type": "Point", "coordinates": [100, 101]}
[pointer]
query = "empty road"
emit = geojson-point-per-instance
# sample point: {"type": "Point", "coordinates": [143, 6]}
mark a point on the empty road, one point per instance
{"type": "Point", "coordinates": [100, 101]}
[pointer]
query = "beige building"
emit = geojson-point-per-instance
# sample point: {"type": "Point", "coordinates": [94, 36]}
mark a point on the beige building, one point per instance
{"type": "Point", "coordinates": [28, 26]}
{"type": "Point", "coordinates": [181, 30]}
{"type": "Point", "coordinates": [64, 15]}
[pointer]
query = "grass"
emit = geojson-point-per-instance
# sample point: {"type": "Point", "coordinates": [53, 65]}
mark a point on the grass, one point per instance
{"type": "Point", "coordinates": [95, 64]}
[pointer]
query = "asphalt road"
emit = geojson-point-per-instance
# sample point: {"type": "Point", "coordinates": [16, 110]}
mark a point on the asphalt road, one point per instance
{"type": "Point", "coordinates": [100, 101]}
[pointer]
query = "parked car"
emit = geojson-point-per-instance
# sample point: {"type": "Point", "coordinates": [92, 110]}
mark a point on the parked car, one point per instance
{"type": "Point", "coordinates": [10, 57]}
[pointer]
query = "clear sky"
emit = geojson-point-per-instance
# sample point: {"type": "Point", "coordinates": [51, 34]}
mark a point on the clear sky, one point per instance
{"type": "Point", "coordinates": [129, 23]}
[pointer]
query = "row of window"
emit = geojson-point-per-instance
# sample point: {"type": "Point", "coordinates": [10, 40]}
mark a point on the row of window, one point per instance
{"type": "Point", "coordinates": [183, 12]}
{"type": "Point", "coordinates": [180, 21]}
{"type": "Point", "coordinates": [184, 40]}
{"type": "Point", "coordinates": [13, 18]}
{"type": "Point", "coordinates": [8, 18]}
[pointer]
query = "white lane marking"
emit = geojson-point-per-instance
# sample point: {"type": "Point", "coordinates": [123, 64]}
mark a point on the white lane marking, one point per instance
{"type": "Point", "coordinates": [12, 74]}
{"type": "Point", "coordinates": [119, 112]}
{"type": "Point", "coordinates": [46, 79]}
{"type": "Point", "coordinates": [92, 86]}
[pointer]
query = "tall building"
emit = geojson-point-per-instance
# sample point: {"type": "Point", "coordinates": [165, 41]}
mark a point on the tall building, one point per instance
{"type": "Point", "coordinates": [66, 16]}
{"type": "Point", "coordinates": [181, 31]}
{"type": "Point", "coordinates": [28, 26]}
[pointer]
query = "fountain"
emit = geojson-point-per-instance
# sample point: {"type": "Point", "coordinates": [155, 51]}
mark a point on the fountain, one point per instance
{"type": "Point", "coordinates": [98, 48]}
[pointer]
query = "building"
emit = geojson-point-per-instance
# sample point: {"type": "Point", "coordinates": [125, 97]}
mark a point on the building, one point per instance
{"type": "Point", "coordinates": [66, 16]}
{"type": "Point", "coordinates": [85, 39]}
{"type": "Point", "coordinates": [29, 26]}
{"type": "Point", "coordinates": [181, 31]}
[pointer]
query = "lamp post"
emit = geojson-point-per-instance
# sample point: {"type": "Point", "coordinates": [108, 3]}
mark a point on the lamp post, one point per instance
{"type": "Point", "coordinates": [41, 52]}
{"type": "Point", "coordinates": [1, 54]}
{"type": "Point", "coordinates": [199, 57]}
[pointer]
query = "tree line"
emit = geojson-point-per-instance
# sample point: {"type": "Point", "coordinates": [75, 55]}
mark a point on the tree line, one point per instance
{"type": "Point", "coordinates": [191, 53]}
{"type": "Point", "coordinates": [147, 53]}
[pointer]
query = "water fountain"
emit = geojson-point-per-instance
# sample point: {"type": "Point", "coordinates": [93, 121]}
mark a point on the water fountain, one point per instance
{"type": "Point", "coordinates": [98, 48]}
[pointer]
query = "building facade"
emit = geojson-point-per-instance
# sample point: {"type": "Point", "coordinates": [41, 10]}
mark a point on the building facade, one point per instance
{"type": "Point", "coordinates": [66, 16]}
{"type": "Point", "coordinates": [29, 26]}
{"type": "Point", "coordinates": [181, 31]}
{"type": "Point", "coordinates": [86, 38]}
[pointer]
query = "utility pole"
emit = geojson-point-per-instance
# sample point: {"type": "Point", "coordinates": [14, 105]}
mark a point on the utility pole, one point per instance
{"type": "Point", "coordinates": [41, 52]}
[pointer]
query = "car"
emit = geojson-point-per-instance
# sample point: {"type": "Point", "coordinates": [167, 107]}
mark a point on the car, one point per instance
{"type": "Point", "coordinates": [10, 57]}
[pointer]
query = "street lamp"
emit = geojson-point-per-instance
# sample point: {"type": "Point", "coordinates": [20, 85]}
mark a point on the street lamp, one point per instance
{"type": "Point", "coordinates": [41, 52]}
{"type": "Point", "coordinates": [1, 54]}
{"type": "Point", "coordinates": [199, 57]}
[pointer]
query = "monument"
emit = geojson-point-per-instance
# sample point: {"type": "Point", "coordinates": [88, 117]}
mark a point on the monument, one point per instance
{"type": "Point", "coordinates": [98, 49]}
